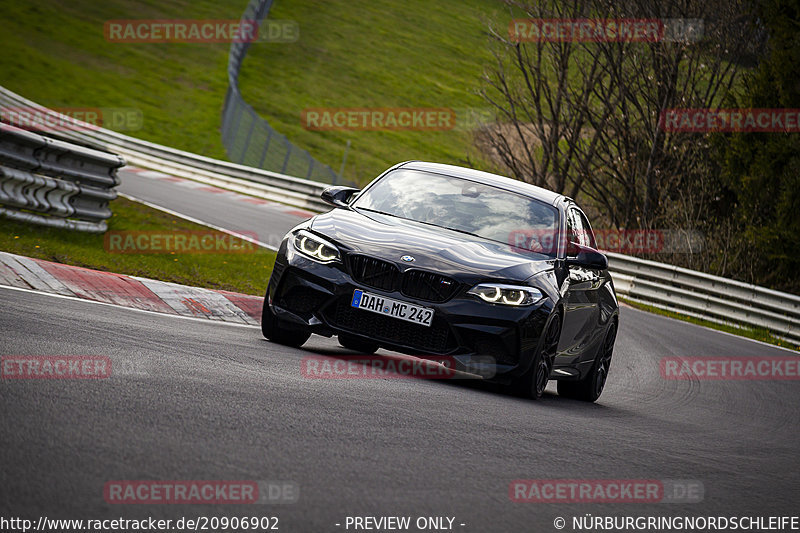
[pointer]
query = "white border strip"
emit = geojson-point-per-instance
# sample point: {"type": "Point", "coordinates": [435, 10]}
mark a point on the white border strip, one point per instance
{"type": "Point", "coordinates": [679, 321]}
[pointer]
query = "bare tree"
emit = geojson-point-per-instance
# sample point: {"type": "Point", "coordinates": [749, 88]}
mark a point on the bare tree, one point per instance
{"type": "Point", "coordinates": [582, 118]}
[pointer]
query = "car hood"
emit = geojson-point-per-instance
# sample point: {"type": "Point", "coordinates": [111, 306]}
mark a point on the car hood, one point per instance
{"type": "Point", "coordinates": [433, 248]}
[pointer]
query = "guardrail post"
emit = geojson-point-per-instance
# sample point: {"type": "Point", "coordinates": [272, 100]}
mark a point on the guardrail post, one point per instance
{"type": "Point", "coordinates": [288, 154]}
{"type": "Point", "coordinates": [237, 115]}
{"type": "Point", "coordinates": [310, 165]}
{"type": "Point", "coordinates": [253, 118]}
{"type": "Point", "coordinates": [226, 115]}
{"type": "Point", "coordinates": [266, 147]}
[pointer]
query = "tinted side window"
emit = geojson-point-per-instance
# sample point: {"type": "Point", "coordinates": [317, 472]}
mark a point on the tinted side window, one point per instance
{"type": "Point", "coordinates": [588, 235]}
{"type": "Point", "coordinates": [578, 229]}
{"type": "Point", "coordinates": [573, 230]}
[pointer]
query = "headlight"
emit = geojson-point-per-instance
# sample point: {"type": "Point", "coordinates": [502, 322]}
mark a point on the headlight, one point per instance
{"type": "Point", "coordinates": [314, 247]}
{"type": "Point", "coordinates": [506, 294]}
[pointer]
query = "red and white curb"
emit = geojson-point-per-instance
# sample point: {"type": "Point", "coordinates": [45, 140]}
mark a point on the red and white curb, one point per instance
{"type": "Point", "coordinates": [190, 184]}
{"type": "Point", "coordinates": [128, 291]}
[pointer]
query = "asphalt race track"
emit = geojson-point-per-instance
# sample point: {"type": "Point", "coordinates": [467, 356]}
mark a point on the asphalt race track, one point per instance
{"type": "Point", "coordinates": [267, 222]}
{"type": "Point", "coordinates": [198, 400]}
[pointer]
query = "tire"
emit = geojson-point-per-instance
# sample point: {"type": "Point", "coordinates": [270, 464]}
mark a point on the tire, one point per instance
{"type": "Point", "coordinates": [533, 383]}
{"type": "Point", "coordinates": [357, 345]}
{"type": "Point", "coordinates": [273, 330]}
{"type": "Point", "coordinates": [591, 387]}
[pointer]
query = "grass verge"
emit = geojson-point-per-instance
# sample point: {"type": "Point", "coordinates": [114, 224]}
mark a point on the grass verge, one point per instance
{"type": "Point", "coordinates": [758, 334]}
{"type": "Point", "coordinates": [376, 54]}
{"type": "Point", "coordinates": [247, 273]}
{"type": "Point", "coordinates": [350, 53]}
{"type": "Point", "coordinates": [56, 54]}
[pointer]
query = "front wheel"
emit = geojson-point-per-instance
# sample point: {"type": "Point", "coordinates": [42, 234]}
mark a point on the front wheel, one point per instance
{"type": "Point", "coordinates": [534, 381]}
{"type": "Point", "coordinates": [591, 387]}
{"type": "Point", "coordinates": [273, 329]}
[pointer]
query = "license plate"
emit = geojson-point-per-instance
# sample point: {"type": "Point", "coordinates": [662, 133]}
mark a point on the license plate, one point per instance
{"type": "Point", "coordinates": [393, 308]}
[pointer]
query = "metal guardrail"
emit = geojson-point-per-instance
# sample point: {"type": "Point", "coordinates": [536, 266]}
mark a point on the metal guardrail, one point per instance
{"type": "Point", "coordinates": [701, 295]}
{"type": "Point", "coordinates": [54, 183]}
{"type": "Point", "coordinates": [248, 138]}
{"type": "Point", "coordinates": [272, 186]}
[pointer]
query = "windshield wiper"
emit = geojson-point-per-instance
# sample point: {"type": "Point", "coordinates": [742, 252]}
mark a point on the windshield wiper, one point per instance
{"type": "Point", "coordinates": [467, 233]}
{"type": "Point", "coordinates": [379, 212]}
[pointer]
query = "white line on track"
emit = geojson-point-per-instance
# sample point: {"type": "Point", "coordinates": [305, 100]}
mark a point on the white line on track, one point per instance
{"type": "Point", "coordinates": [794, 352]}
{"type": "Point", "coordinates": [198, 221]}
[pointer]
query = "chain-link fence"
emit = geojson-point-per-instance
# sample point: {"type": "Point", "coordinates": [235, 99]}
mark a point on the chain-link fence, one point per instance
{"type": "Point", "coordinates": [249, 139]}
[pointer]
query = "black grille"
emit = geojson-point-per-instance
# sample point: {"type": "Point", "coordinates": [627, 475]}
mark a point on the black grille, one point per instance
{"type": "Point", "coordinates": [414, 283]}
{"type": "Point", "coordinates": [433, 339]}
{"type": "Point", "coordinates": [428, 286]}
{"type": "Point", "coordinates": [374, 272]}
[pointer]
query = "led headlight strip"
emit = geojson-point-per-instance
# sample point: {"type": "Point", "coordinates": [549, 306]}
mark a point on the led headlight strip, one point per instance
{"type": "Point", "coordinates": [513, 295]}
{"type": "Point", "coordinates": [315, 247]}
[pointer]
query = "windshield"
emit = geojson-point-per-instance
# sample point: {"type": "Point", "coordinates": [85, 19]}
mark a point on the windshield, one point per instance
{"type": "Point", "coordinates": [465, 206]}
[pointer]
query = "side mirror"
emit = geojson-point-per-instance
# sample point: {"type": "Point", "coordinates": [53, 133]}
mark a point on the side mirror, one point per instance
{"type": "Point", "coordinates": [585, 257]}
{"type": "Point", "coordinates": [338, 196]}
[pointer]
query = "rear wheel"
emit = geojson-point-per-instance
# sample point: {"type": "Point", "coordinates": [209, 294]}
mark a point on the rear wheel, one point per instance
{"type": "Point", "coordinates": [273, 329]}
{"type": "Point", "coordinates": [591, 387]}
{"type": "Point", "coordinates": [534, 381]}
{"type": "Point", "coordinates": [357, 345]}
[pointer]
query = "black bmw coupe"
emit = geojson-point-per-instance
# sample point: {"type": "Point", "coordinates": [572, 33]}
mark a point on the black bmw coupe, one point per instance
{"type": "Point", "coordinates": [435, 260]}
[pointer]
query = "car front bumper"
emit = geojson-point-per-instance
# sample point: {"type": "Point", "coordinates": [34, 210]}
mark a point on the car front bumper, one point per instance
{"type": "Point", "coordinates": [494, 341]}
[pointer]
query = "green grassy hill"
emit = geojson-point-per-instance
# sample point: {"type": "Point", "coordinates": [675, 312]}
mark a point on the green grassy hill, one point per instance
{"type": "Point", "coordinates": [373, 53]}
{"type": "Point", "coordinates": [354, 53]}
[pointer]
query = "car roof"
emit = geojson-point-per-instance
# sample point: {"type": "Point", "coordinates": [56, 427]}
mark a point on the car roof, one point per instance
{"type": "Point", "coordinates": [487, 178]}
